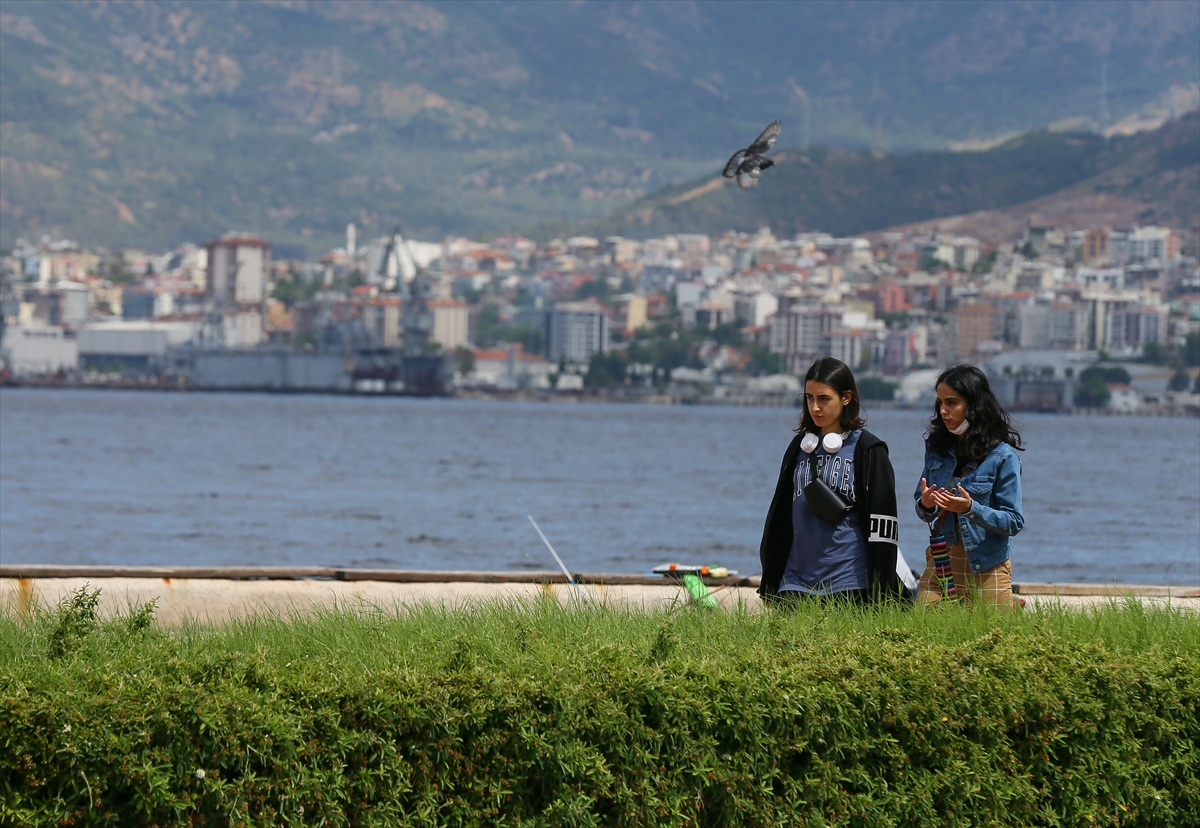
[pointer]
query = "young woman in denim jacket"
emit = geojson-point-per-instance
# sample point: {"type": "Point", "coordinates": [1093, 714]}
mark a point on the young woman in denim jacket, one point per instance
{"type": "Point", "coordinates": [970, 489]}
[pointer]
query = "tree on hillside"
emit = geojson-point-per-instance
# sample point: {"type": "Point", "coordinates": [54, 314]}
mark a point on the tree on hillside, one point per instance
{"type": "Point", "coordinates": [294, 287]}
{"type": "Point", "coordinates": [1191, 350]}
{"type": "Point", "coordinates": [464, 359]}
{"type": "Point", "coordinates": [876, 388]}
{"type": "Point", "coordinates": [1114, 374]}
{"type": "Point", "coordinates": [1092, 390]}
{"type": "Point", "coordinates": [597, 288]}
{"type": "Point", "coordinates": [727, 333]}
{"type": "Point", "coordinates": [668, 352]}
{"type": "Point", "coordinates": [490, 329]}
{"type": "Point", "coordinates": [605, 370]}
{"type": "Point", "coordinates": [763, 362]}
{"type": "Point", "coordinates": [930, 263]}
{"type": "Point", "coordinates": [985, 264]}
{"type": "Point", "coordinates": [1179, 380]}
{"type": "Point", "coordinates": [1155, 353]}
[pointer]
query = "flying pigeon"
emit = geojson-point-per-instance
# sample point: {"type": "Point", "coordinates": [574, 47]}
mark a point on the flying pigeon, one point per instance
{"type": "Point", "coordinates": [746, 164]}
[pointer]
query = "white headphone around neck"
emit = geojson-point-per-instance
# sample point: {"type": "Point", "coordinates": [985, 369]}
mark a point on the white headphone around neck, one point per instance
{"type": "Point", "coordinates": [832, 442]}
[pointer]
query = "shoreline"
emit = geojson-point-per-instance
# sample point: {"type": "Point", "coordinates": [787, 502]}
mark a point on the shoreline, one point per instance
{"type": "Point", "coordinates": [570, 398]}
{"type": "Point", "coordinates": [217, 595]}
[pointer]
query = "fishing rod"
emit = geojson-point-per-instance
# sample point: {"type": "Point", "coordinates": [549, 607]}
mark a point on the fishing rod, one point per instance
{"type": "Point", "coordinates": [561, 565]}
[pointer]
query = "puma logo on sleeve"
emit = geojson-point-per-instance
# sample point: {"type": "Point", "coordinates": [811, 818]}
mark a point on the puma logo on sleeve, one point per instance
{"type": "Point", "coordinates": [885, 529]}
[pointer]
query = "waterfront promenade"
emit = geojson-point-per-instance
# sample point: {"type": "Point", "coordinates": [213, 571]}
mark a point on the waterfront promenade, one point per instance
{"type": "Point", "coordinates": [217, 595]}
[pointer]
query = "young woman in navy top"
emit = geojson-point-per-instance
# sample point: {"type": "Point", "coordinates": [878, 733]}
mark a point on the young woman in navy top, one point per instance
{"type": "Point", "coordinates": [970, 491]}
{"type": "Point", "coordinates": [854, 555]}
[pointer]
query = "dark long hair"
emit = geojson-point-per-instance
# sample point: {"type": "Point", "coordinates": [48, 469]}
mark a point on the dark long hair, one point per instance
{"type": "Point", "coordinates": [838, 376]}
{"type": "Point", "coordinates": [989, 422]}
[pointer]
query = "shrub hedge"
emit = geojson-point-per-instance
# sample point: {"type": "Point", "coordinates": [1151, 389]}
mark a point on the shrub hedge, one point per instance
{"type": "Point", "coordinates": [524, 715]}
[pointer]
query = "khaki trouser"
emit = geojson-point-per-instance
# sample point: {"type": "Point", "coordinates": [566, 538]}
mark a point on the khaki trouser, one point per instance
{"type": "Point", "coordinates": [991, 586]}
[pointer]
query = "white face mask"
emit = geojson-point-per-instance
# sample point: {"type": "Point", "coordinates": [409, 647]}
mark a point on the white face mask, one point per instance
{"type": "Point", "coordinates": [962, 428]}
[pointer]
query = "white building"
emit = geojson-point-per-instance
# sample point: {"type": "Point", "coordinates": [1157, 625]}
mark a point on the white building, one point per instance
{"type": "Point", "coordinates": [508, 367]}
{"type": "Point", "coordinates": [1147, 244]}
{"type": "Point", "coordinates": [689, 293]}
{"type": "Point", "coordinates": [957, 251]}
{"type": "Point", "coordinates": [139, 343]}
{"type": "Point", "coordinates": [755, 308]}
{"type": "Point", "coordinates": [1124, 399]}
{"type": "Point", "coordinates": [1112, 278]}
{"type": "Point", "coordinates": [403, 258]}
{"type": "Point", "coordinates": [34, 348]}
{"type": "Point", "coordinates": [1034, 275]}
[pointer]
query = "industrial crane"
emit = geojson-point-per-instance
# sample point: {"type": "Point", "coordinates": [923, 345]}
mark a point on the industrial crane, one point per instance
{"type": "Point", "coordinates": [423, 373]}
{"type": "Point", "coordinates": [416, 317]}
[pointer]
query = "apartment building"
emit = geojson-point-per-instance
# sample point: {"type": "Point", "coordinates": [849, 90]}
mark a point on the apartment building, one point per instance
{"type": "Point", "coordinates": [451, 323]}
{"type": "Point", "coordinates": [575, 331]}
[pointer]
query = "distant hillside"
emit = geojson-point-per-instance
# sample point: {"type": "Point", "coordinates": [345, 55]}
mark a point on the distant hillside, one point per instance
{"type": "Point", "coordinates": [143, 124]}
{"type": "Point", "coordinates": [1155, 175]}
{"type": "Point", "coordinates": [1157, 182]}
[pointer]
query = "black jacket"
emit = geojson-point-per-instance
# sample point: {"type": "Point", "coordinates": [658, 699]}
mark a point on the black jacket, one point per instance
{"type": "Point", "coordinates": [874, 503]}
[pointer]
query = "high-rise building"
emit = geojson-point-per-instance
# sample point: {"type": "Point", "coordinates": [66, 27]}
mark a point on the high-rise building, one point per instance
{"type": "Point", "coordinates": [1128, 328]}
{"type": "Point", "coordinates": [1148, 244]}
{"type": "Point", "coordinates": [1096, 245]}
{"type": "Point", "coordinates": [451, 323]}
{"type": "Point", "coordinates": [238, 267]}
{"type": "Point", "coordinates": [629, 311]}
{"type": "Point", "coordinates": [1030, 328]}
{"type": "Point", "coordinates": [575, 331]}
{"type": "Point", "coordinates": [971, 326]}
{"type": "Point", "coordinates": [801, 335]}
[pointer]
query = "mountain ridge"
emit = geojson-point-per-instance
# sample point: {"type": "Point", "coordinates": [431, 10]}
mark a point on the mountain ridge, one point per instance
{"type": "Point", "coordinates": [146, 124]}
{"type": "Point", "coordinates": [1150, 177]}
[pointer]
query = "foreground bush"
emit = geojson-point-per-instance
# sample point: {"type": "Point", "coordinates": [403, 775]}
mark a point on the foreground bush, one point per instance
{"type": "Point", "coordinates": [537, 715]}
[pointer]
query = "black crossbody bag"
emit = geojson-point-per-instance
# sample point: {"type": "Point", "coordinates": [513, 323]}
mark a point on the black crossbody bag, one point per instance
{"type": "Point", "coordinates": [823, 501]}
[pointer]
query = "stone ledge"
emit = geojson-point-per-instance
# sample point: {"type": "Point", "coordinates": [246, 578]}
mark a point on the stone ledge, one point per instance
{"type": "Point", "coordinates": [425, 576]}
{"type": "Point", "coordinates": [216, 601]}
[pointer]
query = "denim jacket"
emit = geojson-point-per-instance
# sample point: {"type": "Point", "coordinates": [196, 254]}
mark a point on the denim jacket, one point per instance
{"type": "Point", "coordinates": [995, 515]}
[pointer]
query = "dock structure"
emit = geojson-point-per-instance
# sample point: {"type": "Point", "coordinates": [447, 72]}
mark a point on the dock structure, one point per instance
{"type": "Point", "coordinates": [218, 594]}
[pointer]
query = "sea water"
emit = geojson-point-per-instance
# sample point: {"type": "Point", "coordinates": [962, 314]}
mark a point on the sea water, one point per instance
{"type": "Point", "coordinates": [157, 478]}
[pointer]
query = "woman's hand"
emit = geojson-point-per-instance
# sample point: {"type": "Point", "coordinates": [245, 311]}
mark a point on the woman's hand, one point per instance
{"type": "Point", "coordinates": [944, 500]}
{"type": "Point", "coordinates": [928, 495]}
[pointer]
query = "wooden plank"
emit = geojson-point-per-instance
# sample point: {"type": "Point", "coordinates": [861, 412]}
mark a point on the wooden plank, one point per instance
{"type": "Point", "coordinates": [527, 577]}
{"type": "Point", "coordinates": [426, 576]}
{"type": "Point", "coordinates": [413, 576]}
{"type": "Point", "coordinates": [1141, 590]}
{"type": "Point", "coordinates": [170, 572]}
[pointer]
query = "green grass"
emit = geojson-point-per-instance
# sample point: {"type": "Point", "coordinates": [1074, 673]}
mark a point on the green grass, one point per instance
{"type": "Point", "coordinates": [535, 714]}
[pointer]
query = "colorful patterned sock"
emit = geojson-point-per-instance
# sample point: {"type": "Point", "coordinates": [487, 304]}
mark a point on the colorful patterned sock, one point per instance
{"type": "Point", "coordinates": [941, 565]}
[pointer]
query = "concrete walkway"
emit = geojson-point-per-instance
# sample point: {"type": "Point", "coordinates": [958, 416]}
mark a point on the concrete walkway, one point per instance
{"type": "Point", "coordinates": [217, 600]}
